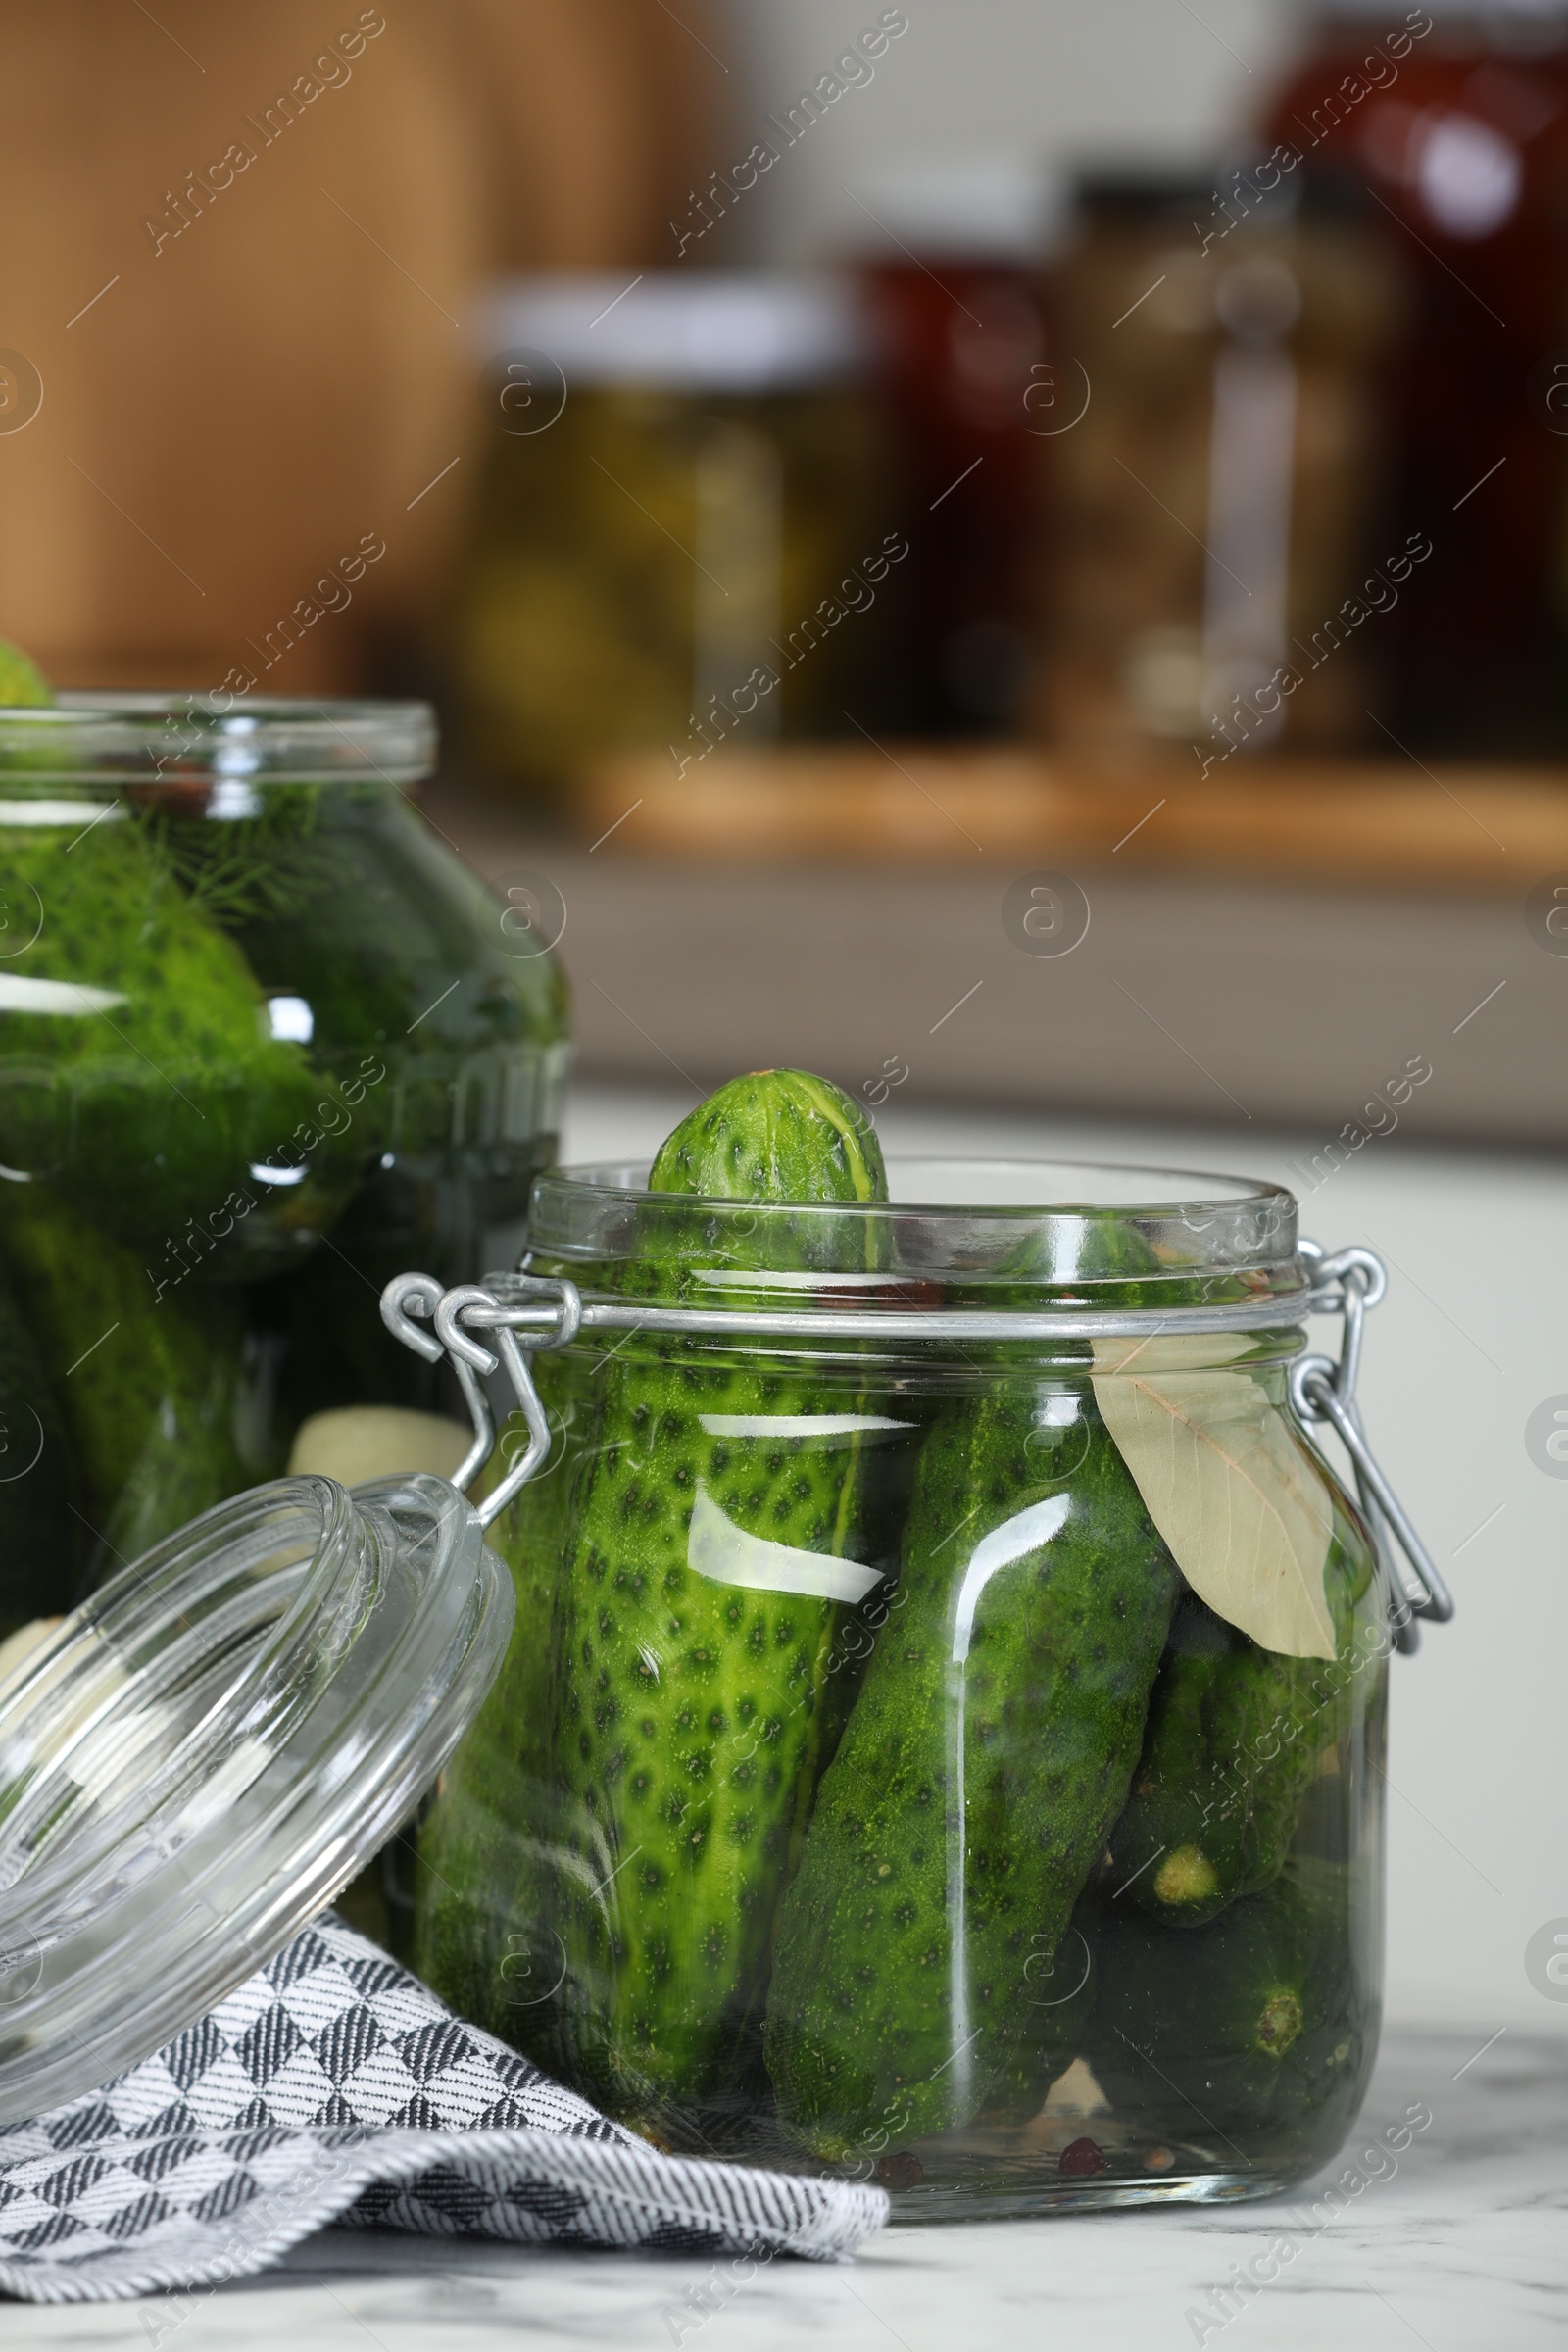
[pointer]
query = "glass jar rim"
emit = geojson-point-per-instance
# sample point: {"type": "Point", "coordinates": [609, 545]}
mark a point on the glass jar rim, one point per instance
{"type": "Point", "coordinates": [201, 1754]}
{"type": "Point", "coordinates": [965, 1222]}
{"type": "Point", "coordinates": [167, 742]}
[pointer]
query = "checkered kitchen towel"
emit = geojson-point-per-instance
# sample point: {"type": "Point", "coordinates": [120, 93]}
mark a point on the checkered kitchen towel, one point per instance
{"type": "Point", "coordinates": [334, 2087]}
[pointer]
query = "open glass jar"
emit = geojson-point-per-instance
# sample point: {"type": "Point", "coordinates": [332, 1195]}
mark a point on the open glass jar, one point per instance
{"type": "Point", "coordinates": [264, 1040]}
{"type": "Point", "coordinates": [941, 1739]}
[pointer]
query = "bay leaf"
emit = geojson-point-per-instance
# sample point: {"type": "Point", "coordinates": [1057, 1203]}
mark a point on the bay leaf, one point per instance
{"type": "Point", "coordinates": [1239, 1502]}
{"type": "Point", "coordinates": [1171, 1351]}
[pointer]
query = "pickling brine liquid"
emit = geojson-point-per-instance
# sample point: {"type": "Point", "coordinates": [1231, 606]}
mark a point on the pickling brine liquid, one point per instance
{"type": "Point", "coordinates": [871, 1791]}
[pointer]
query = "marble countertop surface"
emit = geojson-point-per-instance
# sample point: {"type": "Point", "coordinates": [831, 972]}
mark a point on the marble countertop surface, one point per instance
{"type": "Point", "coordinates": [1460, 2241]}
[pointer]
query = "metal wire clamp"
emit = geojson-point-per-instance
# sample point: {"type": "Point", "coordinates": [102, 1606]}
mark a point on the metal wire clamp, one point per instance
{"type": "Point", "coordinates": [1321, 1389]}
{"type": "Point", "coordinates": [526, 1314]}
{"type": "Point", "coordinates": [420, 1294]}
{"type": "Point", "coordinates": [409, 1295]}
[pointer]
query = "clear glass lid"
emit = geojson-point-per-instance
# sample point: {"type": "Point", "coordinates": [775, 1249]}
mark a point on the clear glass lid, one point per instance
{"type": "Point", "coordinates": [205, 1752]}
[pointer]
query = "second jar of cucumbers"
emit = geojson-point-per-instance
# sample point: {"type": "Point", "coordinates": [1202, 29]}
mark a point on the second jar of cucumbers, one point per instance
{"type": "Point", "coordinates": [942, 1737]}
{"type": "Point", "coordinates": [263, 1039]}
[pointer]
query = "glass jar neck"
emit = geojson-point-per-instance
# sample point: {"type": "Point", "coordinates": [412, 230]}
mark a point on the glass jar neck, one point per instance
{"type": "Point", "coordinates": [213, 752]}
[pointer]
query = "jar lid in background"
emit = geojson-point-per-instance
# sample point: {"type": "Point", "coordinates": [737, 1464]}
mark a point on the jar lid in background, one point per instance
{"type": "Point", "coordinates": [714, 331]}
{"type": "Point", "coordinates": [1139, 189]}
{"type": "Point", "coordinates": [977, 208]}
{"type": "Point", "coordinates": [201, 1756]}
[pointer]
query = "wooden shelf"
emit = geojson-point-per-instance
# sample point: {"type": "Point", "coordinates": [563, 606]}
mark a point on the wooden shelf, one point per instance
{"type": "Point", "coordinates": [1285, 999]}
{"type": "Point", "coordinates": [1470, 828]}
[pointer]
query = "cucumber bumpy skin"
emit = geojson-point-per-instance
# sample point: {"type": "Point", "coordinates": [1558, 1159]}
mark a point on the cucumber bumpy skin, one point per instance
{"type": "Point", "coordinates": [482, 1932]}
{"type": "Point", "coordinates": [687, 1716]}
{"type": "Point", "coordinates": [890, 2010]}
{"type": "Point", "coordinates": [1235, 1735]}
{"type": "Point", "coordinates": [146, 1102]}
{"type": "Point", "coordinates": [1060, 1991]}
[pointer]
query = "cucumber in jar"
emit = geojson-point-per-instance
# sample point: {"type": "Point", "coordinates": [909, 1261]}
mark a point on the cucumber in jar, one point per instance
{"type": "Point", "coordinates": [704, 1567]}
{"type": "Point", "coordinates": [166, 1412]}
{"type": "Point", "coordinates": [1235, 1733]}
{"type": "Point", "coordinates": [141, 1084]}
{"type": "Point", "coordinates": [988, 1753]}
{"type": "Point", "coordinates": [451, 1052]}
{"type": "Point", "coordinates": [1263, 2021]}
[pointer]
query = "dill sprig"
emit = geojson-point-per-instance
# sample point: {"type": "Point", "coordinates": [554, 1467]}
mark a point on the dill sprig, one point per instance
{"type": "Point", "coordinates": [238, 871]}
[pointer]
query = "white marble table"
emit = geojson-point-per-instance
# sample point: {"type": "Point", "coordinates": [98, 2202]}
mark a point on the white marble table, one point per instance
{"type": "Point", "coordinates": [1465, 2245]}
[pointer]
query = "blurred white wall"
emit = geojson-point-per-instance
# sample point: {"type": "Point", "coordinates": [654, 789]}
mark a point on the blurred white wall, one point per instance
{"type": "Point", "coordinates": [1054, 78]}
{"type": "Point", "coordinates": [1467, 1344]}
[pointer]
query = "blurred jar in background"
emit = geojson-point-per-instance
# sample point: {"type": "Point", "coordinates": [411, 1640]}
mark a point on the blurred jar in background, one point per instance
{"type": "Point", "coordinates": [1460, 133]}
{"type": "Point", "coordinates": [951, 285]}
{"type": "Point", "coordinates": [1217, 502]}
{"type": "Point", "coordinates": [674, 544]}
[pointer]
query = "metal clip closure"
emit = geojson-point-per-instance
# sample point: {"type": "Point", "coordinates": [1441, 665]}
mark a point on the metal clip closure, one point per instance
{"type": "Point", "coordinates": [1322, 1389]}
{"type": "Point", "coordinates": [410, 1294]}
{"type": "Point", "coordinates": [525, 1314]}
{"type": "Point", "coordinates": [543, 1314]}
{"type": "Point", "coordinates": [458, 1316]}
{"type": "Point", "coordinates": [476, 1308]}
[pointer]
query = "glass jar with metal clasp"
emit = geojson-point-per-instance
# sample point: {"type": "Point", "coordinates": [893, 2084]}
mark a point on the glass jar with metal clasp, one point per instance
{"type": "Point", "coordinates": [1013, 1838]}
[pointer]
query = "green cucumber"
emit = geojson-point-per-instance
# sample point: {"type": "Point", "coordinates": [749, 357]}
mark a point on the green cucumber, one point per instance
{"type": "Point", "coordinates": [1235, 1737]}
{"type": "Point", "coordinates": [1058, 1997]}
{"type": "Point", "coordinates": [163, 1415]}
{"type": "Point", "coordinates": [1263, 2021]}
{"type": "Point", "coordinates": [989, 1751]}
{"type": "Point", "coordinates": [773, 1135]}
{"type": "Point", "coordinates": [137, 1076]}
{"type": "Point", "coordinates": [484, 1934]}
{"type": "Point", "coordinates": [685, 1694]}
